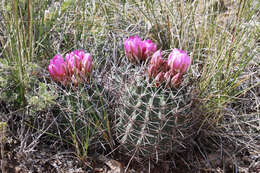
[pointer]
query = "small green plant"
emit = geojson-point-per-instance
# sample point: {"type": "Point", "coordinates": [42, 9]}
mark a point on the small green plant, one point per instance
{"type": "Point", "coordinates": [44, 97]}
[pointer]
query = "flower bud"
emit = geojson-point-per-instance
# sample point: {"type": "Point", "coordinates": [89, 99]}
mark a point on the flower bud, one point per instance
{"type": "Point", "coordinates": [152, 71]}
{"type": "Point", "coordinates": [57, 68]}
{"type": "Point", "coordinates": [159, 79]}
{"type": "Point", "coordinates": [157, 59]}
{"type": "Point", "coordinates": [137, 50]}
{"type": "Point", "coordinates": [150, 48]}
{"type": "Point", "coordinates": [76, 67]}
{"type": "Point", "coordinates": [176, 80]}
{"type": "Point", "coordinates": [87, 63]}
{"type": "Point", "coordinates": [167, 77]}
{"type": "Point", "coordinates": [179, 61]}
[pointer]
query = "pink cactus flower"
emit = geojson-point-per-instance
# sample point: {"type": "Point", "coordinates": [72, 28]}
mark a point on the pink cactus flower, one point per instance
{"type": "Point", "coordinates": [158, 62]}
{"type": "Point", "coordinates": [79, 62]}
{"type": "Point", "coordinates": [179, 61]}
{"type": "Point", "coordinates": [74, 61]}
{"type": "Point", "coordinates": [76, 67]}
{"type": "Point", "coordinates": [57, 68]}
{"type": "Point", "coordinates": [87, 64]}
{"type": "Point", "coordinates": [157, 59]}
{"type": "Point", "coordinates": [132, 46]}
{"type": "Point", "coordinates": [150, 48]}
{"type": "Point", "coordinates": [137, 50]}
{"type": "Point", "coordinates": [71, 64]}
{"type": "Point", "coordinates": [171, 71]}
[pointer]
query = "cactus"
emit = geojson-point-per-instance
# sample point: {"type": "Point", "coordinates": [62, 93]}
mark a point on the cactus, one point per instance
{"type": "Point", "coordinates": [152, 121]}
{"type": "Point", "coordinates": [84, 100]}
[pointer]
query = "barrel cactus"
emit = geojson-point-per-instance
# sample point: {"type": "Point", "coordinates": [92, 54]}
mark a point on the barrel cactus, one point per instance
{"type": "Point", "coordinates": [152, 121]}
{"type": "Point", "coordinates": [154, 114]}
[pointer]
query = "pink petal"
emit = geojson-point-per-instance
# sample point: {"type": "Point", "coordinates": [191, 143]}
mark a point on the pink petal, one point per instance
{"type": "Point", "coordinates": [150, 47]}
{"type": "Point", "coordinates": [87, 62]}
{"type": "Point", "coordinates": [179, 61]}
{"type": "Point", "coordinates": [157, 59]}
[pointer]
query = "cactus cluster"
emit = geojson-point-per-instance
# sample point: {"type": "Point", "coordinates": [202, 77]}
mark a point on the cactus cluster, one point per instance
{"type": "Point", "coordinates": [152, 114]}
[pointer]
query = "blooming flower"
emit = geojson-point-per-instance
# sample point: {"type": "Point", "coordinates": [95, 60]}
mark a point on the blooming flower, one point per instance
{"type": "Point", "coordinates": [169, 71]}
{"type": "Point", "coordinates": [150, 48]}
{"type": "Point", "coordinates": [157, 59]}
{"type": "Point", "coordinates": [86, 64]}
{"type": "Point", "coordinates": [137, 50]}
{"type": "Point", "coordinates": [156, 64]}
{"type": "Point", "coordinates": [71, 64]}
{"type": "Point", "coordinates": [57, 68]}
{"type": "Point", "coordinates": [179, 61]}
{"type": "Point", "coordinates": [74, 60]}
{"type": "Point", "coordinates": [77, 66]}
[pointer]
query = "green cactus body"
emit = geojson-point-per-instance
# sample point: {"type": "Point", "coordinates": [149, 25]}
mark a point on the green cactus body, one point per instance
{"type": "Point", "coordinates": [85, 110]}
{"type": "Point", "coordinates": [148, 121]}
